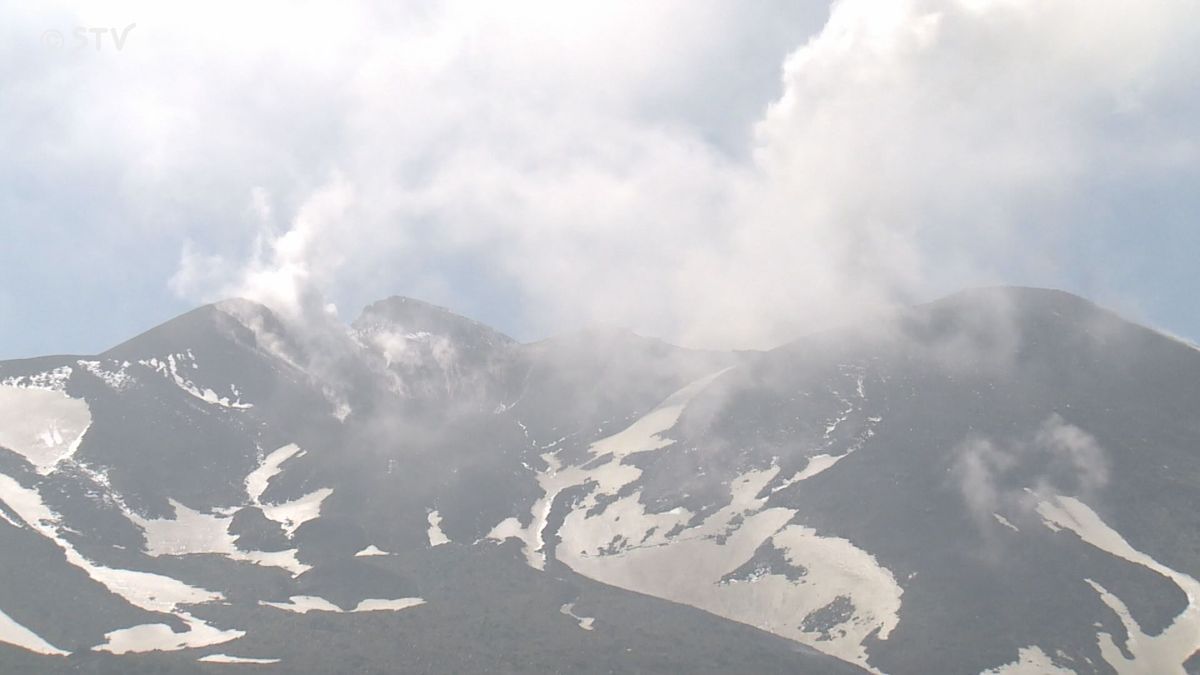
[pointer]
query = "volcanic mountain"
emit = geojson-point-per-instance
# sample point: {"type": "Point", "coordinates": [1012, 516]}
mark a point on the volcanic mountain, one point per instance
{"type": "Point", "coordinates": [1002, 481]}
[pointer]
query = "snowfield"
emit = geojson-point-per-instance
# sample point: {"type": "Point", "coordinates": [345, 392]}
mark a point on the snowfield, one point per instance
{"type": "Point", "coordinates": [45, 426]}
{"type": "Point", "coordinates": [624, 545]}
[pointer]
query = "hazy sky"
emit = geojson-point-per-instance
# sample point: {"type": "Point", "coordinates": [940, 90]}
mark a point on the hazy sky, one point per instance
{"type": "Point", "coordinates": [719, 173]}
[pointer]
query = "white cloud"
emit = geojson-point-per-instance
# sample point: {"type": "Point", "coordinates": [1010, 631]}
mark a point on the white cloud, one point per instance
{"type": "Point", "coordinates": [554, 150]}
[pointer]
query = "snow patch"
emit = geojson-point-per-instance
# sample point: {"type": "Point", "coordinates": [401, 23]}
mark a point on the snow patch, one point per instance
{"type": "Point", "coordinates": [192, 532]}
{"type": "Point", "coordinates": [370, 551]}
{"type": "Point", "coordinates": [17, 635]}
{"type": "Point", "coordinates": [1162, 653]}
{"type": "Point", "coordinates": [375, 605]}
{"type": "Point", "coordinates": [51, 380]}
{"type": "Point", "coordinates": [816, 464]}
{"type": "Point", "coordinates": [1030, 661]}
{"type": "Point", "coordinates": [822, 462]}
{"type": "Point", "coordinates": [845, 597]}
{"type": "Point", "coordinates": [1005, 522]}
{"type": "Point", "coordinates": [644, 435]}
{"type": "Point", "coordinates": [145, 590]}
{"type": "Point", "coordinates": [8, 519]}
{"type": "Point", "coordinates": [117, 379]}
{"type": "Point", "coordinates": [236, 660]}
{"type": "Point", "coordinates": [436, 536]}
{"type": "Point", "coordinates": [291, 515]}
{"type": "Point", "coordinates": [585, 622]}
{"type": "Point", "coordinates": [158, 637]}
{"type": "Point", "coordinates": [169, 368]}
{"type": "Point", "coordinates": [303, 604]}
{"type": "Point", "coordinates": [44, 426]}
{"type": "Point", "coordinates": [258, 480]}
{"type": "Point", "coordinates": [149, 591]}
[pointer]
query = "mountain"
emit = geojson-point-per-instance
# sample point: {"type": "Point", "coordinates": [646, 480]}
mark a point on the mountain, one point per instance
{"type": "Point", "coordinates": [1002, 481]}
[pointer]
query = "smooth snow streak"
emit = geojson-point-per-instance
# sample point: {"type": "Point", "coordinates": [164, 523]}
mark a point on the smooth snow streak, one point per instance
{"type": "Point", "coordinates": [303, 604]}
{"type": "Point", "coordinates": [624, 546]}
{"type": "Point", "coordinates": [258, 480]}
{"type": "Point", "coordinates": [44, 426]}
{"type": "Point", "coordinates": [1160, 654]}
{"type": "Point", "coordinates": [1005, 522]}
{"type": "Point", "coordinates": [17, 635]}
{"type": "Point", "coordinates": [236, 660]}
{"type": "Point", "coordinates": [8, 519]}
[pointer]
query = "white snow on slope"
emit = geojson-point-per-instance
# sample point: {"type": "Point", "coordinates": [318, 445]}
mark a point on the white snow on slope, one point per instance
{"type": "Point", "coordinates": [17, 635]}
{"type": "Point", "coordinates": [236, 660]}
{"type": "Point", "coordinates": [158, 637]}
{"type": "Point", "coordinates": [816, 464]}
{"type": "Point", "coordinates": [585, 622]}
{"type": "Point", "coordinates": [376, 605]}
{"type": "Point", "coordinates": [646, 433]}
{"type": "Point", "coordinates": [9, 519]}
{"type": "Point", "coordinates": [643, 435]}
{"type": "Point", "coordinates": [436, 536]}
{"type": "Point", "coordinates": [371, 551]}
{"type": "Point", "coordinates": [623, 545]}
{"type": "Point", "coordinates": [290, 514]}
{"type": "Point", "coordinates": [689, 569]}
{"type": "Point", "coordinates": [822, 462]}
{"type": "Point", "coordinates": [192, 532]}
{"type": "Point", "coordinates": [44, 426]}
{"type": "Point", "coordinates": [146, 590]}
{"type": "Point", "coordinates": [1160, 654]}
{"type": "Point", "coordinates": [303, 604]}
{"type": "Point", "coordinates": [149, 591]}
{"type": "Point", "coordinates": [51, 380]}
{"type": "Point", "coordinates": [259, 479]}
{"type": "Point", "coordinates": [170, 368]}
{"type": "Point", "coordinates": [189, 532]}
{"type": "Point", "coordinates": [116, 379]}
{"type": "Point", "coordinates": [1030, 661]}
{"type": "Point", "coordinates": [1005, 522]}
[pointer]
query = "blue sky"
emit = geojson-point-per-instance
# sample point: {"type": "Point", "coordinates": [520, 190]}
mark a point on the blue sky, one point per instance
{"type": "Point", "coordinates": [713, 174]}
